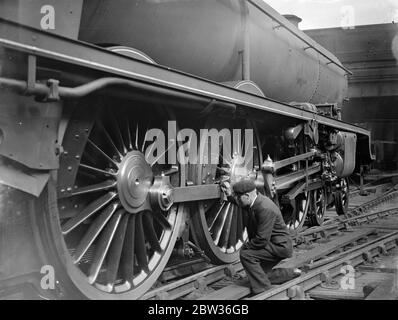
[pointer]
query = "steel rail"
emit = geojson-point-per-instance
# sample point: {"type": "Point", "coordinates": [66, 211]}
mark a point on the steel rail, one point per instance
{"type": "Point", "coordinates": [187, 285]}
{"type": "Point", "coordinates": [372, 203]}
{"type": "Point", "coordinates": [369, 186]}
{"type": "Point", "coordinates": [310, 279]}
{"type": "Point", "coordinates": [321, 262]}
{"type": "Point", "coordinates": [314, 277]}
{"type": "Point", "coordinates": [354, 220]}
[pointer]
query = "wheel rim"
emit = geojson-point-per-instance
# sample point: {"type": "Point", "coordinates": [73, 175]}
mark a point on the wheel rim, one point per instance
{"type": "Point", "coordinates": [115, 245]}
{"type": "Point", "coordinates": [344, 192]}
{"type": "Point", "coordinates": [220, 225]}
{"type": "Point", "coordinates": [296, 219]}
{"type": "Point", "coordinates": [342, 197]}
{"type": "Point", "coordinates": [318, 207]}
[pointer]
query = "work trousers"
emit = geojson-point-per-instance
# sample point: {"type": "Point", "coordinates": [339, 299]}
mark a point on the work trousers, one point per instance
{"type": "Point", "coordinates": [259, 262]}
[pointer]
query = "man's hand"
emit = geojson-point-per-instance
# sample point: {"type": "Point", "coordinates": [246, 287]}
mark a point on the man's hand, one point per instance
{"type": "Point", "coordinates": [226, 188]}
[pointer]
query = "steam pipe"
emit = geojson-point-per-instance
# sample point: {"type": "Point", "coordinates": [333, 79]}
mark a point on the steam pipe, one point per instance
{"type": "Point", "coordinates": [41, 89]}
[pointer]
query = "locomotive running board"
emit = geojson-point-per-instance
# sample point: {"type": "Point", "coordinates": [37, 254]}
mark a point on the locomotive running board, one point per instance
{"type": "Point", "coordinates": [45, 45]}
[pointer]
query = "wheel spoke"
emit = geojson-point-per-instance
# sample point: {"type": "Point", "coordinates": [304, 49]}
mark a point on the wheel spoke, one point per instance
{"type": "Point", "coordinates": [210, 206]}
{"type": "Point", "coordinates": [128, 133]}
{"type": "Point", "coordinates": [303, 205]}
{"type": "Point", "coordinates": [145, 136]}
{"type": "Point", "coordinates": [136, 138]}
{"type": "Point", "coordinates": [117, 132]}
{"type": "Point", "coordinates": [96, 170]}
{"type": "Point", "coordinates": [150, 232]}
{"type": "Point", "coordinates": [234, 224]}
{"type": "Point", "coordinates": [213, 215]}
{"type": "Point", "coordinates": [218, 226]}
{"type": "Point", "coordinates": [161, 155]}
{"type": "Point", "coordinates": [127, 261]}
{"type": "Point", "coordinates": [115, 252]}
{"type": "Point", "coordinates": [161, 219]}
{"type": "Point", "coordinates": [249, 156]}
{"type": "Point", "coordinates": [103, 245]}
{"type": "Point", "coordinates": [140, 247]}
{"type": "Point", "coordinates": [94, 230]}
{"type": "Point", "coordinates": [110, 141]}
{"type": "Point", "coordinates": [318, 195]}
{"type": "Point", "coordinates": [102, 186]}
{"type": "Point", "coordinates": [89, 157]}
{"type": "Point", "coordinates": [240, 227]}
{"type": "Point", "coordinates": [226, 229]}
{"type": "Point", "coordinates": [87, 212]}
{"type": "Point", "coordinates": [102, 153]}
{"type": "Point", "coordinates": [148, 152]}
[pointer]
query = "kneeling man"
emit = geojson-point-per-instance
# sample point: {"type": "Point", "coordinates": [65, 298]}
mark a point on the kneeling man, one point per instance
{"type": "Point", "coordinates": [269, 239]}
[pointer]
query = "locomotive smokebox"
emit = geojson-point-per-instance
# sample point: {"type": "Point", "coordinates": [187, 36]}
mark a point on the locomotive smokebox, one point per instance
{"type": "Point", "coordinates": [221, 40]}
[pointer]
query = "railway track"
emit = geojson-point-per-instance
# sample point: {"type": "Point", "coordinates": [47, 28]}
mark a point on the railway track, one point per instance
{"type": "Point", "coordinates": [320, 252]}
{"type": "Point", "coordinates": [306, 236]}
{"type": "Point", "coordinates": [196, 279]}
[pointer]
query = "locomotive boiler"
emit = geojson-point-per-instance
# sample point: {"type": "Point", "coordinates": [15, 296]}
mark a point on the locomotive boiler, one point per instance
{"type": "Point", "coordinates": [120, 120]}
{"type": "Point", "coordinates": [222, 41]}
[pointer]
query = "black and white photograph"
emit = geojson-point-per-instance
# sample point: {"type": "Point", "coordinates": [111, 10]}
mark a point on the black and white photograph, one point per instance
{"type": "Point", "coordinates": [199, 156]}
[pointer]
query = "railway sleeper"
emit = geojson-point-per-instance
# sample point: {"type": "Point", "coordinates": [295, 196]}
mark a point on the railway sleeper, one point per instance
{"type": "Point", "coordinates": [313, 278]}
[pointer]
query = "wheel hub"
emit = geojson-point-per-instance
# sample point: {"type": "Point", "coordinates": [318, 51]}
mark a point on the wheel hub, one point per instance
{"type": "Point", "coordinates": [134, 179]}
{"type": "Point", "coordinates": [239, 170]}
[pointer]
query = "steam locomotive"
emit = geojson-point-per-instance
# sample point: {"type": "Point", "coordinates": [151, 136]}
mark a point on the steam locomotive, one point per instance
{"type": "Point", "coordinates": [88, 89]}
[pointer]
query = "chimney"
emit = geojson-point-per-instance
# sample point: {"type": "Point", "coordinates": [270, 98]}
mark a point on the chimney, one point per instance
{"type": "Point", "coordinates": [293, 19]}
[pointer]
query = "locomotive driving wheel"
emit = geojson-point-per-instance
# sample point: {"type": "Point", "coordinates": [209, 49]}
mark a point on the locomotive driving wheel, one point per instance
{"type": "Point", "coordinates": [219, 225]}
{"type": "Point", "coordinates": [295, 214]}
{"type": "Point", "coordinates": [317, 207]}
{"type": "Point", "coordinates": [341, 197]}
{"type": "Point", "coordinates": [96, 221]}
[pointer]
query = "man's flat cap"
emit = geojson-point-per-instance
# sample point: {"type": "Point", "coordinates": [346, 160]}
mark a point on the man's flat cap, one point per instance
{"type": "Point", "coordinates": [244, 186]}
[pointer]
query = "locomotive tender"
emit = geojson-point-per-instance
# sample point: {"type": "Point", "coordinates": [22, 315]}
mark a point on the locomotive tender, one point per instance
{"type": "Point", "coordinates": [79, 98]}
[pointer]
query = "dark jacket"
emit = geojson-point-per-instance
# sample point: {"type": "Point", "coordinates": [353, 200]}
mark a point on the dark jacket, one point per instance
{"type": "Point", "coordinates": [266, 228]}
